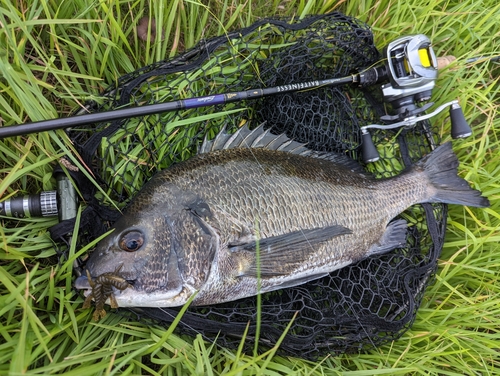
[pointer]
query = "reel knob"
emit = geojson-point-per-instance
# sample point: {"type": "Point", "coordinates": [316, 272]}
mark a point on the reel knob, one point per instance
{"type": "Point", "coordinates": [459, 126]}
{"type": "Point", "coordinates": [368, 149]}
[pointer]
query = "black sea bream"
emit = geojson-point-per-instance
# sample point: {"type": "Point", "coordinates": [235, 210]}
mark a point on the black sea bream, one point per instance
{"type": "Point", "coordinates": [255, 206]}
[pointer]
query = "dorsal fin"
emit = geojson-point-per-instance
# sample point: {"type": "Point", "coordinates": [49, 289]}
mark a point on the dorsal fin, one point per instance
{"type": "Point", "coordinates": [257, 138]}
{"type": "Point", "coordinates": [260, 138]}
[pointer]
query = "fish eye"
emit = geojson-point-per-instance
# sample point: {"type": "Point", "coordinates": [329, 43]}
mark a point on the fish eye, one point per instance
{"type": "Point", "coordinates": [131, 241]}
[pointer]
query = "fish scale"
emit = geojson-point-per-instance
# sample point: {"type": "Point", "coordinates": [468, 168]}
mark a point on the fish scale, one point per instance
{"type": "Point", "coordinates": [245, 213]}
{"type": "Point", "coordinates": [258, 190]}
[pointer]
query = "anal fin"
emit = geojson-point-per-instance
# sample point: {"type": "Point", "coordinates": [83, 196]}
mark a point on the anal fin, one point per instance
{"type": "Point", "coordinates": [393, 237]}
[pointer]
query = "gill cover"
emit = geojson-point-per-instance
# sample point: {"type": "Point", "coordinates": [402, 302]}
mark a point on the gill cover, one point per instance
{"type": "Point", "coordinates": [195, 243]}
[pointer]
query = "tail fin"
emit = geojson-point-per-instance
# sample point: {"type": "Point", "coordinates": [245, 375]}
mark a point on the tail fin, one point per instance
{"type": "Point", "coordinates": [441, 169]}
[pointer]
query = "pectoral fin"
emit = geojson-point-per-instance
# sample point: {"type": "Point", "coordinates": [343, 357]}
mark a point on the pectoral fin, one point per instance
{"type": "Point", "coordinates": [281, 254]}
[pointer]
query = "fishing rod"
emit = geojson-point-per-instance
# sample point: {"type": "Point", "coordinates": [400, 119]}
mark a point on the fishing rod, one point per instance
{"type": "Point", "coordinates": [410, 70]}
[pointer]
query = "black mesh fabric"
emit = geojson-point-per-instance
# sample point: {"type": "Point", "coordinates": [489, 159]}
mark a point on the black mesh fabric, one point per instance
{"type": "Point", "coordinates": [369, 303]}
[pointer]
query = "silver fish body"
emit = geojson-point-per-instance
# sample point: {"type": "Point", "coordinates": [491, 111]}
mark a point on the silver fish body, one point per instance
{"type": "Point", "coordinates": [254, 213]}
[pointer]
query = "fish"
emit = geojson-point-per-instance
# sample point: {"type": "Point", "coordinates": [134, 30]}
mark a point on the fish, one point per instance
{"type": "Point", "coordinates": [254, 212]}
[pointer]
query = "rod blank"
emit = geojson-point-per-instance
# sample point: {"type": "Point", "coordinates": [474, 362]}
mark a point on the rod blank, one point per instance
{"type": "Point", "coordinates": [204, 101]}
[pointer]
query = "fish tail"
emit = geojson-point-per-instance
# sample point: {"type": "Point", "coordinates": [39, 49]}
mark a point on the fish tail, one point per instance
{"type": "Point", "coordinates": [441, 168]}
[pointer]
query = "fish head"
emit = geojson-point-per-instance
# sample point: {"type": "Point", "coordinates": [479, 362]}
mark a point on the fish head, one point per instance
{"type": "Point", "coordinates": [164, 258]}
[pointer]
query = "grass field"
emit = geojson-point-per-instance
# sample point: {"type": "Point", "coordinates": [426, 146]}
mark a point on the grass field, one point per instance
{"type": "Point", "coordinates": [55, 55]}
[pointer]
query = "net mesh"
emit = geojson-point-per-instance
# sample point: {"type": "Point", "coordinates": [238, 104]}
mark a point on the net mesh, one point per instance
{"type": "Point", "coordinates": [360, 306]}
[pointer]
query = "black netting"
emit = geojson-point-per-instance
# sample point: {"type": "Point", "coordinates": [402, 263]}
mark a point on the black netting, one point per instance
{"type": "Point", "coordinates": [363, 305]}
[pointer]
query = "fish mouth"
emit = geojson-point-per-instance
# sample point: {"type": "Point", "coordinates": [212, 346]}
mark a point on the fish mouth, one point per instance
{"type": "Point", "coordinates": [83, 283]}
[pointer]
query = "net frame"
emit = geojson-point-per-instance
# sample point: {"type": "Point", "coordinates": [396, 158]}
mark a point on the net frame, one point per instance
{"type": "Point", "coordinates": [355, 308]}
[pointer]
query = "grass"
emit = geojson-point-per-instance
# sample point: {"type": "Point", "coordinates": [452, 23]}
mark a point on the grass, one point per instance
{"type": "Point", "coordinates": [56, 55]}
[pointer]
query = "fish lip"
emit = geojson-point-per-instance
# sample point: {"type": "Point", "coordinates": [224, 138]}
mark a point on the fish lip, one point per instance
{"type": "Point", "coordinates": [82, 283]}
{"type": "Point", "coordinates": [124, 299]}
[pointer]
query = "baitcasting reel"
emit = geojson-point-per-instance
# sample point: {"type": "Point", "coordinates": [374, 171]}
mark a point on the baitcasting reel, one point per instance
{"type": "Point", "coordinates": [411, 68]}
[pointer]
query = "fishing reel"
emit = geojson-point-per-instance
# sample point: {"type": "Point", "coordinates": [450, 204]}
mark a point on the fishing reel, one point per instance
{"type": "Point", "coordinates": [411, 69]}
